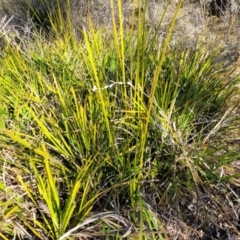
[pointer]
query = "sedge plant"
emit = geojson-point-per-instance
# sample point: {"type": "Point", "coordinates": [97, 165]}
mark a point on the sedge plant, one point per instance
{"type": "Point", "coordinates": [99, 135]}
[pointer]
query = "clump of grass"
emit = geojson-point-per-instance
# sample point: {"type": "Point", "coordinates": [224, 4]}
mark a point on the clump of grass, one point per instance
{"type": "Point", "coordinates": [100, 135]}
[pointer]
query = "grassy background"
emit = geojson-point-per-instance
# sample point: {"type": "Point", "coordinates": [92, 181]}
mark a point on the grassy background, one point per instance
{"type": "Point", "coordinates": [123, 129]}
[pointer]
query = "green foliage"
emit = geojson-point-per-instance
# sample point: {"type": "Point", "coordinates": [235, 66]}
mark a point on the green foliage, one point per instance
{"type": "Point", "coordinates": [90, 128]}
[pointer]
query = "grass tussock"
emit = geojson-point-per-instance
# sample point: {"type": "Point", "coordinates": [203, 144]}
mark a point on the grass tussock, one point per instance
{"type": "Point", "coordinates": [117, 135]}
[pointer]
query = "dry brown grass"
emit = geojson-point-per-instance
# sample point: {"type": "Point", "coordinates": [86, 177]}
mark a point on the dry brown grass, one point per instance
{"type": "Point", "coordinates": [194, 21]}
